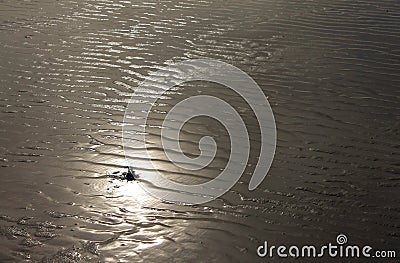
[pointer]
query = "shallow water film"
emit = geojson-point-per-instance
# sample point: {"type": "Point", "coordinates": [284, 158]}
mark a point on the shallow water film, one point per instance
{"type": "Point", "coordinates": [329, 69]}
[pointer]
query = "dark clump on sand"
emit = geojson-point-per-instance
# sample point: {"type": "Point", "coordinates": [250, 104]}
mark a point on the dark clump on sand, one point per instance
{"type": "Point", "coordinates": [129, 175]}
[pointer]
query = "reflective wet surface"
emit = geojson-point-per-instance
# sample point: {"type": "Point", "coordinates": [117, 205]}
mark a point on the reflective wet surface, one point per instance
{"type": "Point", "coordinates": [330, 70]}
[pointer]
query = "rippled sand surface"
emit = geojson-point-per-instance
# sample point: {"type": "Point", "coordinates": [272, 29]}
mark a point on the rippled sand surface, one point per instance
{"type": "Point", "coordinates": [330, 69]}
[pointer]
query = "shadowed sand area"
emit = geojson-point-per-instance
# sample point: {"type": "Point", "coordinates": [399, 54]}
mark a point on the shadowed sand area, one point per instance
{"type": "Point", "coordinates": [330, 69]}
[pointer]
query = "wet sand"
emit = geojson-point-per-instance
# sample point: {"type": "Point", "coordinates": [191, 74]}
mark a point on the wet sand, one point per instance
{"type": "Point", "coordinates": [330, 69]}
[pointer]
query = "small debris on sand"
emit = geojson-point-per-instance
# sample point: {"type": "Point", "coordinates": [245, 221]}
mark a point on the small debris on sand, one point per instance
{"type": "Point", "coordinates": [130, 175]}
